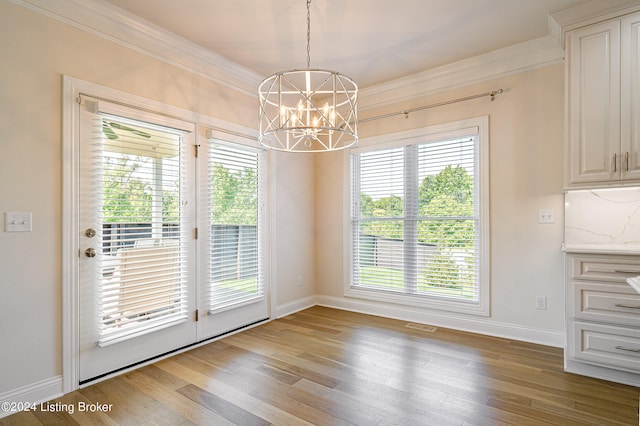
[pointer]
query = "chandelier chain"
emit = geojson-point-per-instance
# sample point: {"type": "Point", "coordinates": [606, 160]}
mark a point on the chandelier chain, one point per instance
{"type": "Point", "coordinates": [308, 33]}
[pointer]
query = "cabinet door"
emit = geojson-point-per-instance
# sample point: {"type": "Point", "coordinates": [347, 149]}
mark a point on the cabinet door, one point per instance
{"type": "Point", "coordinates": [594, 106]}
{"type": "Point", "coordinates": [630, 96]}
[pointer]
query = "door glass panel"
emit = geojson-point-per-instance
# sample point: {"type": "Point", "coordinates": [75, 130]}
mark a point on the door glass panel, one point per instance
{"type": "Point", "coordinates": [142, 283]}
{"type": "Point", "coordinates": [235, 275]}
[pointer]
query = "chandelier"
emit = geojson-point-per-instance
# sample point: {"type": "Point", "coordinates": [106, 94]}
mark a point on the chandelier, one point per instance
{"type": "Point", "coordinates": [308, 110]}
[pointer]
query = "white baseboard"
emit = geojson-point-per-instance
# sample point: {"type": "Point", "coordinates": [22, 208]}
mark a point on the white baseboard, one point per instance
{"type": "Point", "coordinates": [611, 375]}
{"type": "Point", "coordinates": [446, 320]}
{"type": "Point", "coordinates": [295, 306]}
{"type": "Point", "coordinates": [30, 395]}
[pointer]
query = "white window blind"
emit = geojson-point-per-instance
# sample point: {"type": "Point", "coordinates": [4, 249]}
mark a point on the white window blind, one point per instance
{"type": "Point", "coordinates": [378, 178]}
{"type": "Point", "coordinates": [142, 282]}
{"type": "Point", "coordinates": [415, 219]}
{"type": "Point", "coordinates": [235, 198]}
{"type": "Point", "coordinates": [448, 219]}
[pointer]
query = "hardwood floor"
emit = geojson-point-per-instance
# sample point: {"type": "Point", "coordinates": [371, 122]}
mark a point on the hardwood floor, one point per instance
{"type": "Point", "coordinates": [329, 367]}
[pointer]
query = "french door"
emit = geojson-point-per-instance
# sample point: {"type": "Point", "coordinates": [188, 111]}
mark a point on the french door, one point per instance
{"type": "Point", "coordinates": [232, 244]}
{"type": "Point", "coordinates": [170, 241]}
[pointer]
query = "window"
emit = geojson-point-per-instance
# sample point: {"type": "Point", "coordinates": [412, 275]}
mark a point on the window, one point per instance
{"type": "Point", "coordinates": [235, 182]}
{"type": "Point", "coordinates": [419, 218]}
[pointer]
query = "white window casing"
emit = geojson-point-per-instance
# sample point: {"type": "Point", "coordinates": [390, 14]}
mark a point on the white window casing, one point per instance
{"type": "Point", "coordinates": [418, 223]}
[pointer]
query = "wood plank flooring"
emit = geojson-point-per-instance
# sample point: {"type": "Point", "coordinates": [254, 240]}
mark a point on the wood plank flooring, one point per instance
{"type": "Point", "coordinates": [324, 366]}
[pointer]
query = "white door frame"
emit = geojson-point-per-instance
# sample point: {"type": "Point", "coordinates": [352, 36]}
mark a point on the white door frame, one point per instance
{"type": "Point", "coordinates": [71, 90]}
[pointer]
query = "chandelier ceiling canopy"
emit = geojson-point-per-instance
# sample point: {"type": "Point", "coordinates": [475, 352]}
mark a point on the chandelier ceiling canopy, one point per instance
{"type": "Point", "coordinates": [308, 110]}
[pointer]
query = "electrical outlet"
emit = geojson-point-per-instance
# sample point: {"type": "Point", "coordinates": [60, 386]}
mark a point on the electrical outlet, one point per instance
{"type": "Point", "coordinates": [541, 303]}
{"type": "Point", "coordinates": [299, 281]}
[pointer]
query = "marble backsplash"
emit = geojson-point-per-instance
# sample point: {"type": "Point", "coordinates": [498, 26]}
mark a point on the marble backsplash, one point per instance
{"type": "Point", "coordinates": [603, 216]}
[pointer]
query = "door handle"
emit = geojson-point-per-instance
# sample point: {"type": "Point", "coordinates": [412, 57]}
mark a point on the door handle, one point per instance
{"type": "Point", "coordinates": [622, 348]}
{"type": "Point", "coordinates": [622, 305]}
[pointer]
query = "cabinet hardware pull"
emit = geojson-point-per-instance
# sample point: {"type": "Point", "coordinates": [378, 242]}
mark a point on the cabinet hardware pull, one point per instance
{"type": "Point", "coordinates": [622, 305]}
{"type": "Point", "coordinates": [626, 271]}
{"type": "Point", "coordinates": [622, 348]}
{"type": "Point", "coordinates": [626, 161]}
{"type": "Point", "coordinates": [615, 162]}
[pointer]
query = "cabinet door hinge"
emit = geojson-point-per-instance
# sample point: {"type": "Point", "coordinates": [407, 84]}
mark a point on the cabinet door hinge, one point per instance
{"type": "Point", "coordinates": [197, 147]}
{"type": "Point", "coordinates": [195, 233]}
{"type": "Point", "coordinates": [196, 315]}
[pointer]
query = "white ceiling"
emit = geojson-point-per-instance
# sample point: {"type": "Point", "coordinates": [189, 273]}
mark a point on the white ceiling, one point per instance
{"type": "Point", "coordinates": [371, 41]}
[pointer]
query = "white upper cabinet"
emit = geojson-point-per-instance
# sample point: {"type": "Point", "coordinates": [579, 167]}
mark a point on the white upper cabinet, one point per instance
{"type": "Point", "coordinates": [630, 96]}
{"type": "Point", "coordinates": [603, 101]}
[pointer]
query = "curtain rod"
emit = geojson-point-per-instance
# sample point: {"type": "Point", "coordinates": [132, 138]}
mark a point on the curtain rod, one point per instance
{"type": "Point", "coordinates": [406, 112]}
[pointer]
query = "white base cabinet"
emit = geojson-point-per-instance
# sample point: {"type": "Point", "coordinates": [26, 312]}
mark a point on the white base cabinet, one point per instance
{"type": "Point", "coordinates": [603, 317]}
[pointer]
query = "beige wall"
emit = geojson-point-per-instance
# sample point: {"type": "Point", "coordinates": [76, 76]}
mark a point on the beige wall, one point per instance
{"type": "Point", "coordinates": [526, 175]}
{"type": "Point", "coordinates": [294, 227]}
{"type": "Point", "coordinates": [526, 151]}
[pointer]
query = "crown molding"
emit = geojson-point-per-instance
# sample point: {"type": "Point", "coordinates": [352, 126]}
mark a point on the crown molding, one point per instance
{"type": "Point", "coordinates": [514, 59]}
{"type": "Point", "coordinates": [586, 14]}
{"type": "Point", "coordinates": [112, 23]}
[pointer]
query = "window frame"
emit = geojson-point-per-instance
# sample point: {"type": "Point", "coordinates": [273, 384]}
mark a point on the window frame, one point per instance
{"type": "Point", "coordinates": [163, 256]}
{"type": "Point", "coordinates": [213, 139]}
{"type": "Point", "coordinates": [478, 126]}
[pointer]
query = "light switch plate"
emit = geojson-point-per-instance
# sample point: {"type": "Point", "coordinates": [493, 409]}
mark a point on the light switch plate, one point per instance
{"type": "Point", "coordinates": [546, 216]}
{"type": "Point", "coordinates": [17, 222]}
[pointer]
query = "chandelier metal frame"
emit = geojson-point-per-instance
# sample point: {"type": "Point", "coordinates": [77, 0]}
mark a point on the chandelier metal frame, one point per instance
{"type": "Point", "coordinates": [308, 110]}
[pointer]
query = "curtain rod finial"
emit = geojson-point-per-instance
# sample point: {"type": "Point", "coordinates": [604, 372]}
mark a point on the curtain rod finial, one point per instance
{"type": "Point", "coordinates": [494, 93]}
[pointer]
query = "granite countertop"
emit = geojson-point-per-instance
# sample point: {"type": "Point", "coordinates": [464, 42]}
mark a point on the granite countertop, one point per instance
{"type": "Point", "coordinates": [603, 221]}
{"type": "Point", "coordinates": [630, 249]}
